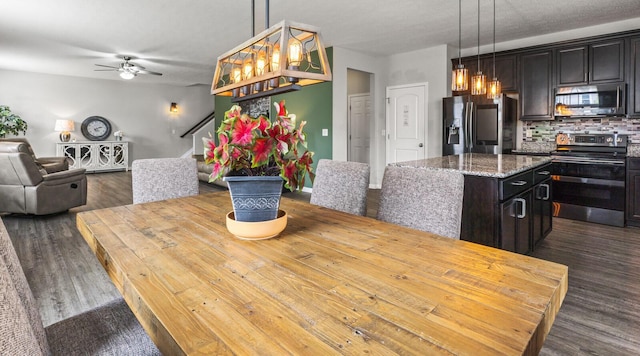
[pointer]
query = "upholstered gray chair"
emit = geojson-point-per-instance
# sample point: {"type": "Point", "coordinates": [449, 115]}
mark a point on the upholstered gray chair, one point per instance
{"type": "Point", "coordinates": [27, 188]}
{"type": "Point", "coordinates": [341, 186]}
{"type": "Point", "coordinates": [111, 329]}
{"type": "Point", "coordinates": [163, 178]}
{"type": "Point", "coordinates": [49, 164]}
{"type": "Point", "coordinates": [422, 199]}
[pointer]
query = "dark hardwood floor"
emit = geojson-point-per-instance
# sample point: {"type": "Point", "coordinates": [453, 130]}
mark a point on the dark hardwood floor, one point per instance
{"type": "Point", "coordinates": [600, 314]}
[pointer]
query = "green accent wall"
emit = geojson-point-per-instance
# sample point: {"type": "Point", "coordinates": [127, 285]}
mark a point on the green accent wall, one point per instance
{"type": "Point", "coordinates": [312, 104]}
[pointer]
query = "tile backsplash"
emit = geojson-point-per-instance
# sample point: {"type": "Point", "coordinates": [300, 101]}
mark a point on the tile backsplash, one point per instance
{"type": "Point", "coordinates": [545, 131]}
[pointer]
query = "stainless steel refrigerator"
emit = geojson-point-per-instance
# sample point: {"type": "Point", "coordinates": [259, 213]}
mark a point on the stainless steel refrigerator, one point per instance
{"type": "Point", "coordinates": [479, 125]}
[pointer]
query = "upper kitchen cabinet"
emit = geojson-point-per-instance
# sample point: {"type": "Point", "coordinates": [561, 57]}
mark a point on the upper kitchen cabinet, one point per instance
{"type": "Point", "coordinates": [594, 63]}
{"type": "Point", "coordinates": [634, 76]}
{"type": "Point", "coordinates": [506, 69]}
{"type": "Point", "coordinates": [536, 86]}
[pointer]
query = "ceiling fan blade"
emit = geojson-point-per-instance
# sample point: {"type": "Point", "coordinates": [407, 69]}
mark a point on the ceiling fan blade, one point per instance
{"type": "Point", "coordinates": [144, 71]}
{"type": "Point", "coordinates": [102, 65]}
{"type": "Point", "coordinates": [106, 70]}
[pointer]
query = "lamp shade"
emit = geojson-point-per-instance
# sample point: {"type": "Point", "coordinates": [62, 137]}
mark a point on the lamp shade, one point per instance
{"type": "Point", "coordinates": [64, 126]}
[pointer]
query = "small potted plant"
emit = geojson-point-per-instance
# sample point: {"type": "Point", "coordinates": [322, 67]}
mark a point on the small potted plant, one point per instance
{"type": "Point", "coordinates": [255, 153]}
{"type": "Point", "coordinates": [10, 123]}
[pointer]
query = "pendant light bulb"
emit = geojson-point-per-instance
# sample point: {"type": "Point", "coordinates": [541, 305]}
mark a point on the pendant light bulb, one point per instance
{"type": "Point", "coordinates": [459, 75]}
{"type": "Point", "coordinates": [495, 87]}
{"type": "Point", "coordinates": [479, 81]}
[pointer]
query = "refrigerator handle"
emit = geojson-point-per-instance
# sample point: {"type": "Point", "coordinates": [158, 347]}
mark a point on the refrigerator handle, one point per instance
{"type": "Point", "coordinates": [466, 125]}
{"type": "Point", "coordinates": [469, 121]}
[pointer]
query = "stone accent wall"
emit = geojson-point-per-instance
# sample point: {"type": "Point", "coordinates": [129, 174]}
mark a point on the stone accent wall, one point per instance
{"type": "Point", "coordinates": [545, 131]}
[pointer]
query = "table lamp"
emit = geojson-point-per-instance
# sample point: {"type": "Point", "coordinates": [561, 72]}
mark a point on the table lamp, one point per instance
{"type": "Point", "coordinates": [64, 127]}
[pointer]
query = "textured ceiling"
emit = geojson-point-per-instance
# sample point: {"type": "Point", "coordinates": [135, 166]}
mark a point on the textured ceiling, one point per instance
{"type": "Point", "coordinates": [183, 38]}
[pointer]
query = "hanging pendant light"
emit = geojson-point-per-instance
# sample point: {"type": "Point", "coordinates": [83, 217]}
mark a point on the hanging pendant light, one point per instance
{"type": "Point", "coordinates": [460, 75]}
{"type": "Point", "coordinates": [479, 81]}
{"type": "Point", "coordinates": [495, 87]}
{"type": "Point", "coordinates": [280, 59]}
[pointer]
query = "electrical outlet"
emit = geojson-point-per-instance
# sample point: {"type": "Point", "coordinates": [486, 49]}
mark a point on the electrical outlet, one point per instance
{"type": "Point", "coordinates": [325, 132]}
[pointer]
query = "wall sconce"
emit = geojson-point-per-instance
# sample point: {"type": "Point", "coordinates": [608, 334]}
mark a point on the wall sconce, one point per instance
{"type": "Point", "coordinates": [280, 59]}
{"type": "Point", "coordinates": [173, 108]}
{"type": "Point", "coordinates": [64, 127]}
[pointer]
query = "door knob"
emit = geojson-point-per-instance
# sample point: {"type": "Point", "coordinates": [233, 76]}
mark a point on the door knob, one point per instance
{"type": "Point", "coordinates": [420, 145]}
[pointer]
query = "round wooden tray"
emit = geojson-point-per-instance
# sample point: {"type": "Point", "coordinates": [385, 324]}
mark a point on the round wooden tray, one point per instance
{"type": "Point", "coordinates": [258, 230]}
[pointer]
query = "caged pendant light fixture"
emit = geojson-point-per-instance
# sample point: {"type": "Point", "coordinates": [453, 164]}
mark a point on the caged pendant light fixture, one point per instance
{"type": "Point", "coordinates": [479, 81]}
{"type": "Point", "coordinates": [282, 58]}
{"type": "Point", "coordinates": [459, 75]}
{"type": "Point", "coordinates": [495, 87]}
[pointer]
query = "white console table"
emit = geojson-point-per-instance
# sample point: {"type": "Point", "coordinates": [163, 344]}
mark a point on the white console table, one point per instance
{"type": "Point", "coordinates": [96, 156]}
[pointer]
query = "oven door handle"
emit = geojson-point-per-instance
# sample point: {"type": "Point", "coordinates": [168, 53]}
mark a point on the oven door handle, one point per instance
{"type": "Point", "coordinates": [594, 181]}
{"type": "Point", "coordinates": [590, 161]}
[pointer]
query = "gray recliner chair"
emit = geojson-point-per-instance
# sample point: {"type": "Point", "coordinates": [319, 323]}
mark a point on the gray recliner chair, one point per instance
{"type": "Point", "coordinates": [27, 188]}
{"type": "Point", "coordinates": [50, 164]}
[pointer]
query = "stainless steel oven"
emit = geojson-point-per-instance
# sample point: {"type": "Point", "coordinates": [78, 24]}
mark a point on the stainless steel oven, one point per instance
{"type": "Point", "coordinates": [588, 173]}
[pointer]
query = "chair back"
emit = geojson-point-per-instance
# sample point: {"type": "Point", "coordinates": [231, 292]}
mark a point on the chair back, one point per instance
{"type": "Point", "coordinates": [341, 186]}
{"type": "Point", "coordinates": [17, 166]}
{"type": "Point", "coordinates": [423, 199]}
{"type": "Point", "coordinates": [163, 178]}
{"type": "Point", "coordinates": [21, 329]}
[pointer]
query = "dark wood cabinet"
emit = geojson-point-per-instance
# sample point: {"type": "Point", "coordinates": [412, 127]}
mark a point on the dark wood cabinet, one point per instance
{"type": "Point", "coordinates": [512, 213]}
{"type": "Point", "coordinates": [536, 89]}
{"type": "Point", "coordinates": [595, 63]}
{"type": "Point", "coordinates": [633, 191]}
{"type": "Point", "coordinates": [515, 223]}
{"type": "Point", "coordinates": [634, 77]}
{"type": "Point", "coordinates": [541, 212]}
{"type": "Point", "coordinates": [572, 65]}
{"type": "Point", "coordinates": [606, 62]}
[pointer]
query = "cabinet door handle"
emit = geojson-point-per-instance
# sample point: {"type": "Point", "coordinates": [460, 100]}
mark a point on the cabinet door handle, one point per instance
{"type": "Point", "coordinates": [547, 189]}
{"type": "Point", "coordinates": [544, 173]}
{"type": "Point", "coordinates": [523, 212]}
{"type": "Point", "coordinates": [519, 183]}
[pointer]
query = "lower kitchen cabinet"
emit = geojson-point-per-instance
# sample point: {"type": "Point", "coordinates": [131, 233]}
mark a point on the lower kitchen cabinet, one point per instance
{"type": "Point", "coordinates": [515, 225]}
{"type": "Point", "coordinates": [541, 212]}
{"type": "Point", "coordinates": [512, 213]}
{"type": "Point", "coordinates": [633, 192]}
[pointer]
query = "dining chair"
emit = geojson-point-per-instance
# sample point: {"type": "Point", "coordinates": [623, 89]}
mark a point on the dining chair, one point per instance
{"type": "Point", "coordinates": [341, 185]}
{"type": "Point", "coordinates": [110, 329]}
{"type": "Point", "coordinates": [156, 179]}
{"type": "Point", "coordinates": [422, 199]}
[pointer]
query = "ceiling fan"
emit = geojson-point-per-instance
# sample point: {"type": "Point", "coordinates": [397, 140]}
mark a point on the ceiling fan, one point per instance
{"type": "Point", "coordinates": [127, 69]}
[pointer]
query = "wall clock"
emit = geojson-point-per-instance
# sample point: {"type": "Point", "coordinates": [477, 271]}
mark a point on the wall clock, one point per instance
{"type": "Point", "coordinates": [96, 128]}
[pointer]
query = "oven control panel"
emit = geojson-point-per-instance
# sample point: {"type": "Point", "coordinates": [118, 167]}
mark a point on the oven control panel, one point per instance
{"type": "Point", "coordinates": [606, 140]}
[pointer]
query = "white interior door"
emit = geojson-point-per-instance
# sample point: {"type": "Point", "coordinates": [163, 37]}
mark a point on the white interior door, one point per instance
{"type": "Point", "coordinates": [406, 118]}
{"type": "Point", "coordinates": [359, 121]}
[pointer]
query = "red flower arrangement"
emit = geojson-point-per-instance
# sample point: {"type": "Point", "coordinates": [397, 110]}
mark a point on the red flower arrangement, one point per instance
{"type": "Point", "coordinates": [257, 147]}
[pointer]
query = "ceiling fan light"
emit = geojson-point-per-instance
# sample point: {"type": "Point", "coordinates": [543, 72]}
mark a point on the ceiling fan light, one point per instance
{"type": "Point", "coordinates": [127, 75]}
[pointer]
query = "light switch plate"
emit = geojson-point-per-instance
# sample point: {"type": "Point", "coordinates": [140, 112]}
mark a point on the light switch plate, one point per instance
{"type": "Point", "coordinates": [529, 133]}
{"type": "Point", "coordinates": [325, 132]}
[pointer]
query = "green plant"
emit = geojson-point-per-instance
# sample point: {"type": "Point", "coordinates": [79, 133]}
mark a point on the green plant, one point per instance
{"type": "Point", "coordinates": [257, 147]}
{"type": "Point", "coordinates": [10, 123]}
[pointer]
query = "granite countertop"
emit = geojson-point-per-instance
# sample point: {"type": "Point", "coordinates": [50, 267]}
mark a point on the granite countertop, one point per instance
{"type": "Point", "coordinates": [633, 150]}
{"type": "Point", "coordinates": [480, 164]}
{"type": "Point", "coordinates": [536, 148]}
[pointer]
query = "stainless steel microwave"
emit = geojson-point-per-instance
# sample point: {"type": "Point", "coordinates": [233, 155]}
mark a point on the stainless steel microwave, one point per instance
{"type": "Point", "coordinates": [590, 101]}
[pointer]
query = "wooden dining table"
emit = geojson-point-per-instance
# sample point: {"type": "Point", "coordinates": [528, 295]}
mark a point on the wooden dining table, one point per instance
{"type": "Point", "coordinates": [330, 283]}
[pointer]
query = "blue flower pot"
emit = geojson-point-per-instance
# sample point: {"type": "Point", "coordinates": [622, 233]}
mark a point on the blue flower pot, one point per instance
{"type": "Point", "coordinates": [255, 198]}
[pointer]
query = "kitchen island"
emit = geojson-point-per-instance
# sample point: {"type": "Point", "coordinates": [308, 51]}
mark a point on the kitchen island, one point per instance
{"type": "Point", "coordinates": [507, 198]}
